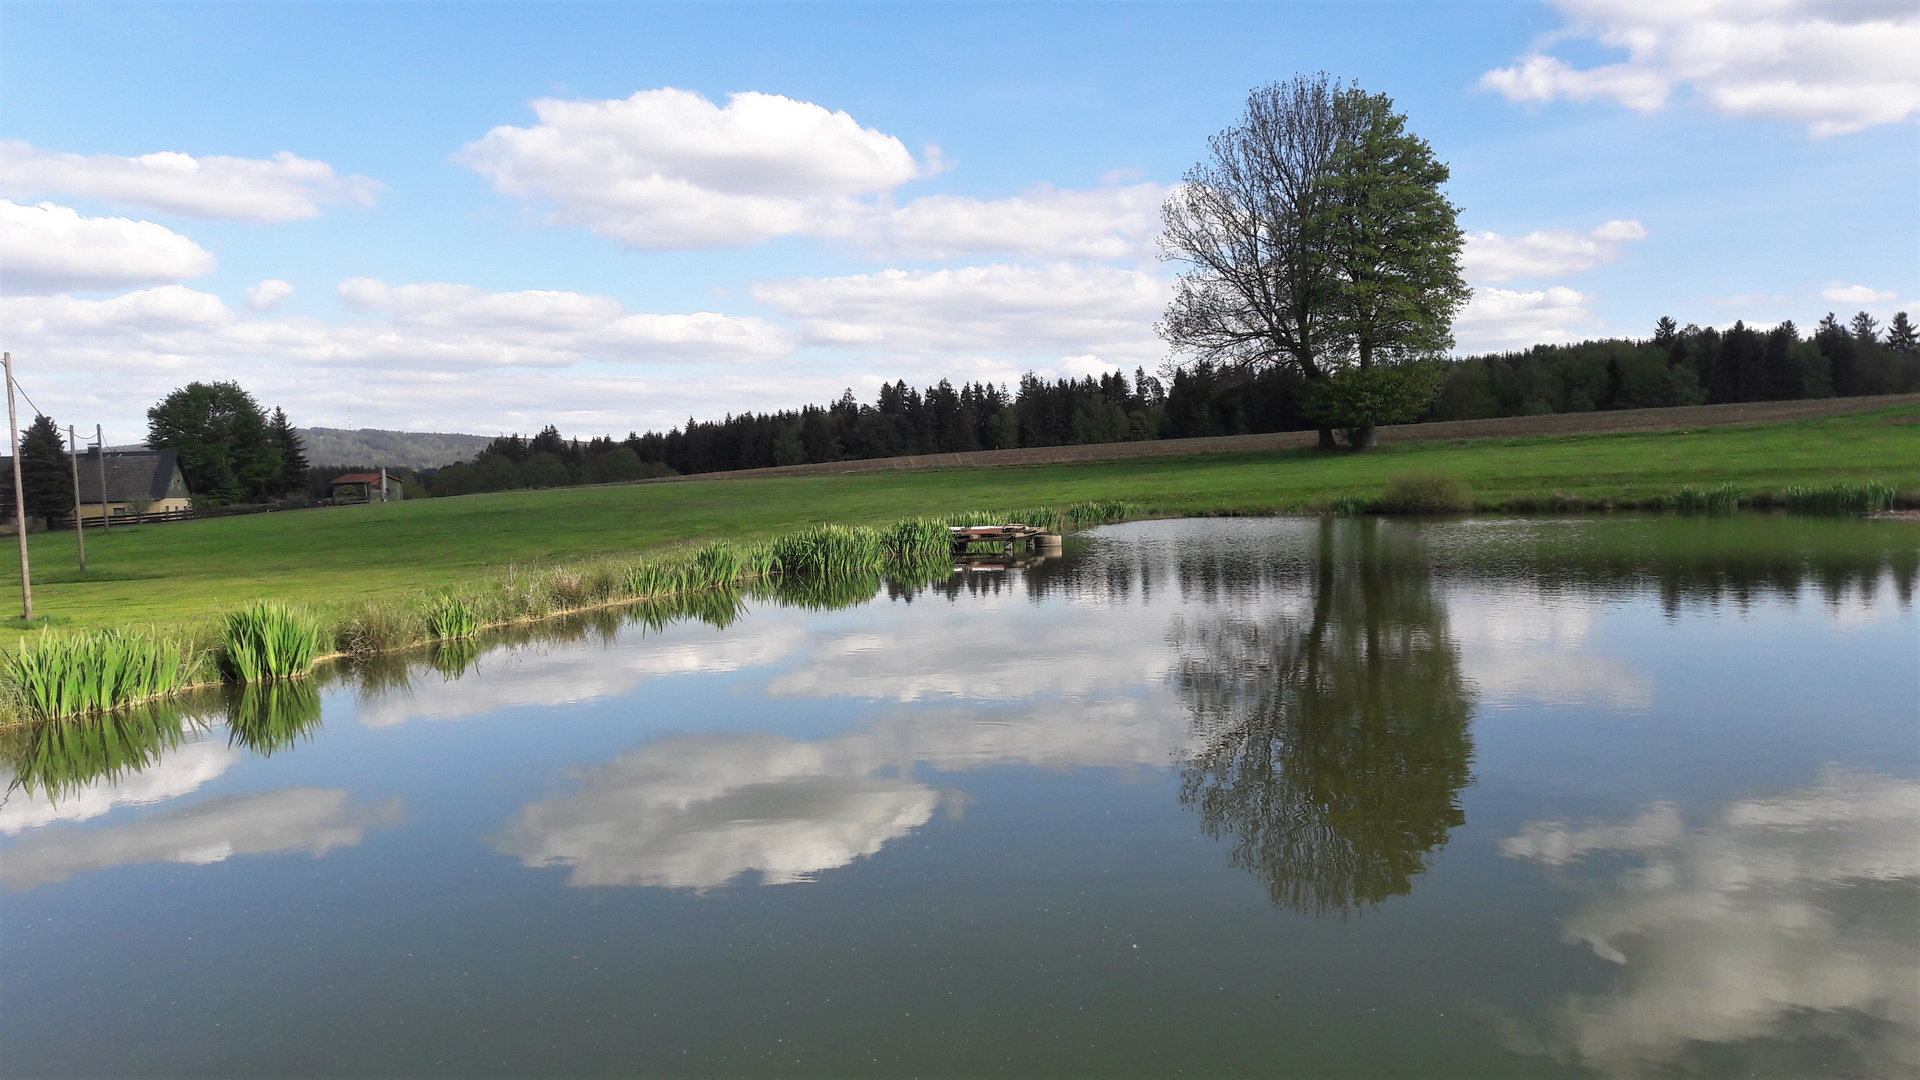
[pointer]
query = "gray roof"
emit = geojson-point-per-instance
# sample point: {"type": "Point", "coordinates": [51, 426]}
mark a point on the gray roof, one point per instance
{"type": "Point", "coordinates": [138, 474]}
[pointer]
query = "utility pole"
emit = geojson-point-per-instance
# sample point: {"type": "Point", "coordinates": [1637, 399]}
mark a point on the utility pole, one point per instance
{"type": "Point", "coordinates": [19, 494]}
{"type": "Point", "coordinates": [100, 442]}
{"type": "Point", "coordinates": [79, 525]}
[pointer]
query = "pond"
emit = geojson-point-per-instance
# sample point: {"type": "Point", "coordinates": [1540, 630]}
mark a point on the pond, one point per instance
{"type": "Point", "coordinates": [1615, 796]}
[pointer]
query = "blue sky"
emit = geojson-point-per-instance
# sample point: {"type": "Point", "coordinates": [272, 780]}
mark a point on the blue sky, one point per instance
{"type": "Point", "coordinates": [495, 216]}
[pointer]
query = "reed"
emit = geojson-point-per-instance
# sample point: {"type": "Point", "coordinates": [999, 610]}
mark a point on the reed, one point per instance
{"type": "Point", "coordinates": [371, 628]}
{"type": "Point", "coordinates": [716, 564]}
{"type": "Point", "coordinates": [1099, 512]}
{"type": "Point", "coordinates": [1425, 493]}
{"type": "Point", "coordinates": [830, 549]}
{"type": "Point", "coordinates": [1867, 498]}
{"type": "Point", "coordinates": [54, 675]}
{"type": "Point", "coordinates": [1724, 499]}
{"type": "Point", "coordinates": [269, 641]}
{"type": "Point", "coordinates": [451, 618]}
{"type": "Point", "coordinates": [916, 539]}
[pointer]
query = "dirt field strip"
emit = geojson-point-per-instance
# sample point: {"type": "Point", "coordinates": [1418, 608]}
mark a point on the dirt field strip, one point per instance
{"type": "Point", "coordinates": [1681, 418]}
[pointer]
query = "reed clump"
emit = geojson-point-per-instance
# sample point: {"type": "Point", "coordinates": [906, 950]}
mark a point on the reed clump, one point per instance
{"type": "Point", "coordinates": [1425, 493]}
{"type": "Point", "coordinates": [1724, 499]}
{"type": "Point", "coordinates": [67, 674]}
{"type": "Point", "coordinates": [1099, 512]}
{"type": "Point", "coordinates": [1868, 498]}
{"type": "Point", "coordinates": [452, 618]}
{"type": "Point", "coordinates": [830, 550]}
{"type": "Point", "coordinates": [269, 641]}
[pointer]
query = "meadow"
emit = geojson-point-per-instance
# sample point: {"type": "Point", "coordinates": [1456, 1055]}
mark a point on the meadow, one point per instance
{"type": "Point", "coordinates": [186, 574]}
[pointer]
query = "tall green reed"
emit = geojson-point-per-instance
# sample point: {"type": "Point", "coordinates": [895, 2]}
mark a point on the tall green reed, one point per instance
{"type": "Point", "coordinates": [1724, 499]}
{"type": "Point", "coordinates": [56, 674]}
{"type": "Point", "coordinates": [1867, 498]}
{"type": "Point", "coordinates": [452, 618]}
{"type": "Point", "coordinates": [269, 641]}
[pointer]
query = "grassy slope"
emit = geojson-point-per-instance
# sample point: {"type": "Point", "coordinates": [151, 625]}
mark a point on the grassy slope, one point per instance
{"type": "Point", "coordinates": [179, 573]}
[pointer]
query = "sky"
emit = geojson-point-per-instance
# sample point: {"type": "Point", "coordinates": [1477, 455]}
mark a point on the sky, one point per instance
{"type": "Point", "coordinates": [612, 217]}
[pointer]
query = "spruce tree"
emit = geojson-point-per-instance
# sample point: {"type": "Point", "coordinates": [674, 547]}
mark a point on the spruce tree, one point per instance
{"type": "Point", "coordinates": [1901, 337]}
{"type": "Point", "coordinates": [1866, 329]}
{"type": "Point", "coordinates": [293, 453]}
{"type": "Point", "coordinates": [46, 478]}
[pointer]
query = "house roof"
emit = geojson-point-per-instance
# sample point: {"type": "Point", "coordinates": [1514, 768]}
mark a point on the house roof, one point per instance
{"type": "Point", "coordinates": [136, 474]}
{"type": "Point", "coordinates": [360, 478]}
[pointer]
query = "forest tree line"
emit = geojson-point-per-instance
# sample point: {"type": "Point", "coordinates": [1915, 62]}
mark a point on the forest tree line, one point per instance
{"type": "Point", "coordinates": [1678, 365]}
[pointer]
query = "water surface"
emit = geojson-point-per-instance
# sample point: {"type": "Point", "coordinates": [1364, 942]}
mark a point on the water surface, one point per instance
{"type": "Point", "coordinates": [1614, 797]}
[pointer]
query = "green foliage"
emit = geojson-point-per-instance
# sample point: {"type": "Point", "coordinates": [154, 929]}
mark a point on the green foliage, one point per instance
{"type": "Point", "coordinates": [269, 716]}
{"type": "Point", "coordinates": [293, 454]}
{"type": "Point", "coordinates": [451, 617]}
{"type": "Point", "coordinates": [916, 538]}
{"type": "Point", "coordinates": [65, 674]}
{"type": "Point", "coordinates": [225, 449]}
{"type": "Point", "coordinates": [544, 471]}
{"type": "Point", "coordinates": [1724, 499]}
{"type": "Point", "coordinates": [1425, 493]}
{"type": "Point", "coordinates": [1381, 394]}
{"type": "Point", "coordinates": [830, 549]}
{"type": "Point", "coordinates": [1099, 512]}
{"type": "Point", "coordinates": [1867, 498]}
{"type": "Point", "coordinates": [46, 476]}
{"type": "Point", "coordinates": [716, 564]}
{"type": "Point", "coordinates": [1350, 506]}
{"type": "Point", "coordinates": [269, 641]}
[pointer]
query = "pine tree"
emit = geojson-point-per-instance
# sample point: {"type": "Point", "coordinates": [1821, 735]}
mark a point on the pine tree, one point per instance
{"type": "Point", "coordinates": [1666, 332]}
{"type": "Point", "coordinates": [1865, 328]}
{"type": "Point", "coordinates": [46, 479]}
{"type": "Point", "coordinates": [293, 453]}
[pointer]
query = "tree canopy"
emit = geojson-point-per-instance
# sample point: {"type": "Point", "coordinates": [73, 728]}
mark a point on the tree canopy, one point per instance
{"type": "Point", "coordinates": [225, 448]}
{"type": "Point", "coordinates": [46, 478]}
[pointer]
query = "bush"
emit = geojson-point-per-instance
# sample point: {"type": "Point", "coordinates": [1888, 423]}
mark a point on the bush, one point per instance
{"type": "Point", "coordinates": [1426, 493]}
{"type": "Point", "coordinates": [269, 641]}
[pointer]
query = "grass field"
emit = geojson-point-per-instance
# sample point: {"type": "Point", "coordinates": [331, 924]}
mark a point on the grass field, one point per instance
{"type": "Point", "coordinates": [182, 573]}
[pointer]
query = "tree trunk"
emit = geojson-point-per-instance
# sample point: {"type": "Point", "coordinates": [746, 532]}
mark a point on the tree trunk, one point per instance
{"type": "Point", "coordinates": [1362, 437]}
{"type": "Point", "coordinates": [1326, 438]}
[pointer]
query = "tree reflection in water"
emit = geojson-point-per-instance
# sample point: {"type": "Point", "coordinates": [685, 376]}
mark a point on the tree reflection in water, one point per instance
{"type": "Point", "coordinates": [1333, 744]}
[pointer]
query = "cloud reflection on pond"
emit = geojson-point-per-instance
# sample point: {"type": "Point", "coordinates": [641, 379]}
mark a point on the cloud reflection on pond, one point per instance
{"type": "Point", "coordinates": [1783, 933]}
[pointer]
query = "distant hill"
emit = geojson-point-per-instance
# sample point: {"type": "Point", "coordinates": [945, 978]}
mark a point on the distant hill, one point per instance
{"type": "Point", "coordinates": [394, 449]}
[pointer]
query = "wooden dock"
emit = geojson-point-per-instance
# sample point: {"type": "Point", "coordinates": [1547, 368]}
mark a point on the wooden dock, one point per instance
{"type": "Point", "coordinates": [1005, 539]}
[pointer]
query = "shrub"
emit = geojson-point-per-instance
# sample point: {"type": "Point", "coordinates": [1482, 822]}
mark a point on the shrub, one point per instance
{"type": "Point", "coordinates": [269, 641]}
{"type": "Point", "coordinates": [1868, 498]}
{"type": "Point", "coordinates": [1425, 493]}
{"type": "Point", "coordinates": [55, 675]}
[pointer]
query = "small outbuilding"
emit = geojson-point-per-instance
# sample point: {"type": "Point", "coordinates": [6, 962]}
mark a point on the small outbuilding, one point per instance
{"type": "Point", "coordinates": [363, 487]}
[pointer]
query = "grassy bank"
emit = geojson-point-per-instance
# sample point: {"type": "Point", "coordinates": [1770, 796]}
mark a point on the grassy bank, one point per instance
{"type": "Point", "coordinates": [183, 576]}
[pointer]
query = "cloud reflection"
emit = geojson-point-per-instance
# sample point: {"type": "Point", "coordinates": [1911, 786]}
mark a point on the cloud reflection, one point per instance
{"type": "Point", "coordinates": [1786, 920]}
{"type": "Point", "coordinates": [314, 820]}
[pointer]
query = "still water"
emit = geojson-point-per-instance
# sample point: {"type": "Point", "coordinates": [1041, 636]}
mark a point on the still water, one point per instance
{"type": "Point", "coordinates": [1616, 797]}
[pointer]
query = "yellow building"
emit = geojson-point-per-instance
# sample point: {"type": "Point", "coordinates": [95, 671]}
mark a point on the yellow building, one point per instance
{"type": "Point", "coordinates": [139, 483]}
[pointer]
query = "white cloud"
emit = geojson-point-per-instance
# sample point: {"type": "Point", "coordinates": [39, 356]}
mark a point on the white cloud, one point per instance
{"type": "Point", "coordinates": [269, 294]}
{"type": "Point", "coordinates": [1553, 252]}
{"type": "Point", "coordinates": [1049, 312]}
{"type": "Point", "coordinates": [1512, 318]}
{"type": "Point", "coordinates": [1762, 925]}
{"type": "Point", "coordinates": [281, 188]}
{"type": "Point", "coordinates": [1842, 293]}
{"type": "Point", "coordinates": [1836, 67]}
{"type": "Point", "coordinates": [669, 169]}
{"type": "Point", "coordinates": [315, 820]}
{"type": "Point", "coordinates": [49, 248]}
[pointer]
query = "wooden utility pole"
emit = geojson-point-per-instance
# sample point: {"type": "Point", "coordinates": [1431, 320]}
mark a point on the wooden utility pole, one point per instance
{"type": "Point", "coordinates": [100, 442]}
{"type": "Point", "coordinates": [79, 525]}
{"type": "Point", "coordinates": [19, 494]}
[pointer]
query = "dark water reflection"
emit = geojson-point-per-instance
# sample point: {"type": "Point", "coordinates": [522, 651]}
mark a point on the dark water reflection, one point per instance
{"type": "Point", "coordinates": [1626, 797]}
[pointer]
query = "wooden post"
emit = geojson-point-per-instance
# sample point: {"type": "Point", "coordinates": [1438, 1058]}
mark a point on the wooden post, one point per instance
{"type": "Point", "coordinates": [79, 525]}
{"type": "Point", "coordinates": [100, 441]}
{"type": "Point", "coordinates": [19, 494]}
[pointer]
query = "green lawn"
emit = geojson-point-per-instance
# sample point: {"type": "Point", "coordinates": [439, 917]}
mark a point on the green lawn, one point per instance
{"type": "Point", "coordinates": [184, 572]}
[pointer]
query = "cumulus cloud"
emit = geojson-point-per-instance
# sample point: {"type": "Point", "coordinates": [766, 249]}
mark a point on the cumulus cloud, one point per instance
{"type": "Point", "coordinates": [1762, 925]}
{"type": "Point", "coordinates": [1514, 318]}
{"type": "Point", "coordinates": [49, 249]}
{"type": "Point", "coordinates": [1492, 257]}
{"type": "Point", "coordinates": [269, 294]}
{"type": "Point", "coordinates": [315, 820]}
{"type": "Point", "coordinates": [1842, 293]}
{"type": "Point", "coordinates": [669, 169]}
{"type": "Point", "coordinates": [180, 772]}
{"type": "Point", "coordinates": [1836, 67]}
{"type": "Point", "coordinates": [264, 191]}
{"type": "Point", "coordinates": [1051, 312]}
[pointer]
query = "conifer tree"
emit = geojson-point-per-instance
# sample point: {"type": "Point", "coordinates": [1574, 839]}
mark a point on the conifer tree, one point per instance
{"type": "Point", "coordinates": [293, 453]}
{"type": "Point", "coordinates": [1901, 337]}
{"type": "Point", "coordinates": [45, 477]}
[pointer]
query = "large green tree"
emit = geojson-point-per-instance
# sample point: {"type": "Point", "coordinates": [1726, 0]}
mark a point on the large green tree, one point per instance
{"type": "Point", "coordinates": [46, 476]}
{"type": "Point", "coordinates": [293, 454]}
{"type": "Point", "coordinates": [1315, 237]}
{"type": "Point", "coordinates": [226, 451]}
